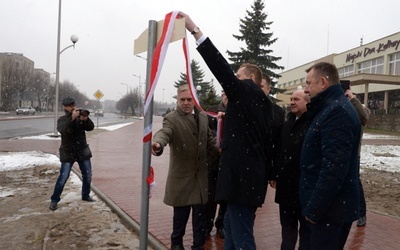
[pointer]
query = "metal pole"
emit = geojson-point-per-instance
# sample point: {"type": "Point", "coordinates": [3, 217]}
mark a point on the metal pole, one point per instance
{"type": "Point", "coordinates": [57, 68]}
{"type": "Point", "coordinates": [140, 91]}
{"type": "Point", "coordinates": [148, 120]}
{"type": "Point", "coordinates": [126, 87]}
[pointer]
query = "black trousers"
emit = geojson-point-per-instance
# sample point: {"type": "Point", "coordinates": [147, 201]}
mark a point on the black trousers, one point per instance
{"type": "Point", "coordinates": [181, 217]}
{"type": "Point", "coordinates": [211, 206]}
{"type": "Point", "coordinates": [362, 204]}
{"type": "Point", "coordinates": [293, 225]}
{"type": "Point", "coordinates": [328, 236]}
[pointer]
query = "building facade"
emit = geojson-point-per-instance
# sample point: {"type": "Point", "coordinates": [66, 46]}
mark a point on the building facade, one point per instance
{"type": "Point", "coordinates": [21, 84]}
{"type": "Point", "coordinates": [373, 70]}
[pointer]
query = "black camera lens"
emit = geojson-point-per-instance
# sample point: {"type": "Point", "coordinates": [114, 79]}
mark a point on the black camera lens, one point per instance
{"type": "Point", "coordinates": [85, 113]}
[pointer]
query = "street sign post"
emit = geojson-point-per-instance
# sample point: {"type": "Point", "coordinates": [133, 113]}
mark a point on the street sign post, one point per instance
{"type": "Point", "coordinates": [98, 95]}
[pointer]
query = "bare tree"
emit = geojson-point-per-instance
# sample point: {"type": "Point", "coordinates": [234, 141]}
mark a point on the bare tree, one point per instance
{"type": "Point", "coordinates": [23, 77]}
{"type": "Point", "coordinates": [39, 88]}
{"type": "Point", "coordinates": [9, 92]}
{"type": "Point", "coordinates": [129, 103]}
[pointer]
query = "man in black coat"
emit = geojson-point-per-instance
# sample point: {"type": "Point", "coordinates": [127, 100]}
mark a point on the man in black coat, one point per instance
{"type": "Point", "coordinates": [278, 120]}
{"type": "Point", "coordinates": [74, 148]}
{"type": "Point", "coordinates": [246, 142]}
{"type": "Point", "coordinates": [286, 171]}
{"type": "Point", "coordinates": [212, 163]}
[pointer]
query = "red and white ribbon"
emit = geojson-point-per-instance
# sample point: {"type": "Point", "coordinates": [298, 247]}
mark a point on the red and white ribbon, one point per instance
{"type": "Point", "coordinates": [157, 63]}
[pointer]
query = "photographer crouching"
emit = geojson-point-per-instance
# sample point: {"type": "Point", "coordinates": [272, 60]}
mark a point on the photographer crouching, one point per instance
{"type": "Point", "coordinates": [74, 148]}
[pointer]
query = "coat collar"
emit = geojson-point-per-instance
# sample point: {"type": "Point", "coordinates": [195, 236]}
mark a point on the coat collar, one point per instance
{"type": "Point", "coordinates": [181, 113]}
{"type": "Point", "coordinates": [319, 101]}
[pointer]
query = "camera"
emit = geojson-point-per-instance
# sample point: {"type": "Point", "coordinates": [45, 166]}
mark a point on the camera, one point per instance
{"type": "Point", "coordinates": [83, 112]}
{"type": "Point", "coordinates": [345, 84]}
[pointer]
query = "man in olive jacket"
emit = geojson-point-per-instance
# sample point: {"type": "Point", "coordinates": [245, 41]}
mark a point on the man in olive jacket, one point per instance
{"type": "Point", "coordinates": [189, 137]}
{"type": "Point", "coordinates": [74, 148]}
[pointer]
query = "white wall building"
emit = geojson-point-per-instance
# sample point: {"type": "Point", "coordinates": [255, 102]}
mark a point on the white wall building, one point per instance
{"type": "Point", "coordinates": [371, 68]}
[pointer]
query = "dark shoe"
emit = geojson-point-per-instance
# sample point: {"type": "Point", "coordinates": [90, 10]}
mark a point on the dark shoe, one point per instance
{"type": "Point", "coordinates": [53, 205]}
{"type": "Point", "coordinates": [177, 247]}
{"type": "Point", "coordinates": [221, 233]}
{"type": "Point", "coordinates": [89, 199]}
{"type": "Point", "coordinates": [362, 221]}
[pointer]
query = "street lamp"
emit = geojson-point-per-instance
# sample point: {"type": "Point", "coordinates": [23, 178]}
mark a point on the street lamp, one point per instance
{"type": "Point", "coordinates": [198, 88]}
{"type": "Point", "coordinates": [138, 76]}
{"type": "Point", "coordinates": [140, 89]}
{"type": "Point", "coordinates": [141, 57]}
{"type": "Point", "coordinates": [74, 39]}
{"type": "Point", "coordinates": [126, 87]}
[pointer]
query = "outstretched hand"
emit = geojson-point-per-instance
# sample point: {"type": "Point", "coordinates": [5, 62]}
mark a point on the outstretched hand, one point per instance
{"type": "Point", "coordinates": [155, 148]}
{"type": "Point", "coordinates": [190, 25]}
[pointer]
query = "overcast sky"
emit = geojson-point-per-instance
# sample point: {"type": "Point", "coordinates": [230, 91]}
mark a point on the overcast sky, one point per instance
{"type": "Point", "coordinates": [103, 56]}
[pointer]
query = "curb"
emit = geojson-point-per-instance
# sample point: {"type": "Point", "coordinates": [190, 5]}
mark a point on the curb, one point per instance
{"type": "Point", "coordinates": [131, 224]}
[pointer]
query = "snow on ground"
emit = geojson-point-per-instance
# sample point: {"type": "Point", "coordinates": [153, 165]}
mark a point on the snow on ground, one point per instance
{"type": "Point", "coordinates": [21, 160]}
{"type": "Point", "coordinates": [50, 137]}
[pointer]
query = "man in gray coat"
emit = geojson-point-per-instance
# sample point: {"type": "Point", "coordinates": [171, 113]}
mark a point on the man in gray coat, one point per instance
{"type": "Point", "coordinates": [186, 131]}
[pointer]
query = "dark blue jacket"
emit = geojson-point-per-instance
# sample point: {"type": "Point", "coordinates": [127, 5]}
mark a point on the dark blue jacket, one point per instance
{"type": "Point", "coordinates": [329, 159]}
{"type": "Point", "coordinates": [246, 139]}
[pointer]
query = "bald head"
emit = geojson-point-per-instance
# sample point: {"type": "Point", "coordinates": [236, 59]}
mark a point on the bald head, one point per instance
{"type": "Point", "coordinates": [298, 102]}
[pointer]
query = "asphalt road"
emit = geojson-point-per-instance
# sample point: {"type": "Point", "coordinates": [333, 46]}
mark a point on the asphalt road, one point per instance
{"type": "Point", "coordinates": [12, 125]}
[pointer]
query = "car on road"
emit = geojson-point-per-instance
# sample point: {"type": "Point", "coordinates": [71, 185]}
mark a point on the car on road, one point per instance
{"type": "Point", "coordinates": [25, 110]}
{"type": "Point", "coordinates": [99, 112]}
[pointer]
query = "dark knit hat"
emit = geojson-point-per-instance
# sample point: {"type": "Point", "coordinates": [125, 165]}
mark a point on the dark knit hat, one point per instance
{"type": "Point", "coordinates": [68, 101]}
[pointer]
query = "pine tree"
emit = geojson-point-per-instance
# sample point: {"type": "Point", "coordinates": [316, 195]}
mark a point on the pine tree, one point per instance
{"type": "Point", "coordinates": [257, 42]}
{"type": "Point", "coordinates": [206, 91]}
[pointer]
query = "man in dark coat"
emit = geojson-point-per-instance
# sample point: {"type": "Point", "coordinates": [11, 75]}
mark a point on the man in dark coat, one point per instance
{"type": "Point", "coordinates": [189, 137]}
{"type": "Point", "coordinates": [329, 160]}
{"type": "Point", "coordinates": [213, 163]}
{"type": "Point", "coordinates": [74, 148]}
{"type": "Point", "coordinates": [286, 171]}
{"type": "Point", "coordinates": [246, 147]}
{"type": "Point", "coordinates": [278, 120]}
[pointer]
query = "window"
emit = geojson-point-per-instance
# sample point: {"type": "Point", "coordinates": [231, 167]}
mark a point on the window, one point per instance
{"type": "Point", "coordinates": [374, 66]}
{"type": "Point", "coordinates": [394, 64]}
{"type": "Point", "coordinates": [346, 71]}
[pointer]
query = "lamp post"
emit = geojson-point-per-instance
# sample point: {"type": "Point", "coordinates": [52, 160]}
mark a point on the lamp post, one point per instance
{"type": "Point", "coordinates": [198, 88]}
{"type": "Point", "coordinates": [126, 87]}
{"type": "Point", "coordinates": [141, 57]}
{"type": "Point", "coordinates": [140, 89]}
{"type": "Point", "coordinates": [74, 39]}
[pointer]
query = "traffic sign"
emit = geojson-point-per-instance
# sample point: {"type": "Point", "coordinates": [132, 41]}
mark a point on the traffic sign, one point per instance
{"type": "Point", "coordinates": [98, 94]}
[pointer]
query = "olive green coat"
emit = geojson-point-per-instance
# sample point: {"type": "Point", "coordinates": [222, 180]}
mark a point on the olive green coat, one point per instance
{"type": "Point", "coordinates": [187, 174]}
